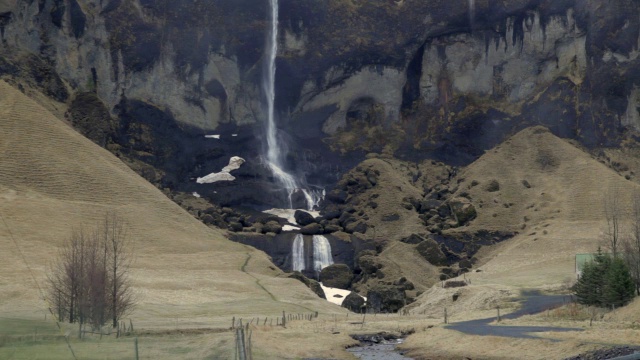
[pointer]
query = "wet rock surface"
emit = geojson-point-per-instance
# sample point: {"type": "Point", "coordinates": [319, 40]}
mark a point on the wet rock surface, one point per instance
{"type": "Point", "coordinates": [381, 346]}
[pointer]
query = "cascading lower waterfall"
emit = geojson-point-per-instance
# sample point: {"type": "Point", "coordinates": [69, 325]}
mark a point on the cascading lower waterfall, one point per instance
{"type": "Point", "coordinates": [321, 253]}
{"type": "Point", "coordinates": [297, 252]}
{"type": "Point", "coordinates": [274, 151]}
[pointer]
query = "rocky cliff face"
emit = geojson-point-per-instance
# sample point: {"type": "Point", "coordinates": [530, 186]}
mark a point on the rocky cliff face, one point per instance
{"type": "Point", "coordinates": [415, 79]}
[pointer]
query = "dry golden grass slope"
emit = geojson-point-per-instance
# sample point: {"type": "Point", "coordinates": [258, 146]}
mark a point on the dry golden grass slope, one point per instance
{"type": "Point", "coordinates": [558, 215]}
{"type": "Point", "coordinates": [52, 180]}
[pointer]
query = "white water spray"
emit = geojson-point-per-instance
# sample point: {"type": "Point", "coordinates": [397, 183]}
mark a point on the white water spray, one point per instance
{"type": "Point", "coordinates": [298, 253]}
{"type": "Point", "coordinates": [321, 253]}
{"type": "Point", "coordinates": [274, 153]}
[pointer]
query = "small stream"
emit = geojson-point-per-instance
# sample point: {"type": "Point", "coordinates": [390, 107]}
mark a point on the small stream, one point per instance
{"type": "Point", "coordinates": [378, 347]}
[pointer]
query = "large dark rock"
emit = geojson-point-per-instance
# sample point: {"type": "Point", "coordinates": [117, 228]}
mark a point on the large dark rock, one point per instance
{"type": "Point", "coordinates": [330, 228]}
{"type": "Point", "coordinates": [367, 262]}
{"type": "Point", "coordinates": [463, 210]}
{"type": "Point", "coordinates": [337, 276]}
{"type": "Point", "coordinates": [312, 229]}
{"type": "Point", "coordinates": [272, 227]}
{"type": "Point", "coordinates": [353, 302]}
{"type": "Point", "coordinates": [310, 283]}
{"type": "Point", "coordinates": [430, 251]}
{"type": "Point", "coordinates": [429, 204]}
{"type": "Point", "coordinates": [303, 218]}
{"type": "Point", "coordinates": [385, 298]}
{"type": "Point", "coordinates": [356, 227]}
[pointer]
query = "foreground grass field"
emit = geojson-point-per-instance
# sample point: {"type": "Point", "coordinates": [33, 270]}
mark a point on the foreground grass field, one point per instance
{"type": "Point", "coordinates": [327, 336]}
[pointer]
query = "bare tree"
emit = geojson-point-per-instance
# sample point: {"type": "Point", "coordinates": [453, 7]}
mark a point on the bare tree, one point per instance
{"type": "Point", "coordinates": [118, 253]}
{"type": "Point", "coordinates": [613, 213]}
{"type": "Point", "coordinates": [89, 282]}
{"type": "Point", "coordinates": [632, 243]}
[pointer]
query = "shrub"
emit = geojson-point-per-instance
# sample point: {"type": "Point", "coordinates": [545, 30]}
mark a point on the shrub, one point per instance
{"type": "Point", "coordinates": [493, 186]}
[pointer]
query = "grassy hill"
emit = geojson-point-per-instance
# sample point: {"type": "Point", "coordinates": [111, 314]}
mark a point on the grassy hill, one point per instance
{"type": "Point", "coordinates": [185, 274]}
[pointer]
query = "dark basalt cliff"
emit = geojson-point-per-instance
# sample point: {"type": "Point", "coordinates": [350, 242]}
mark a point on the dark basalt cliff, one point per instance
{"type": "Point", "coordinates": [410, 78]}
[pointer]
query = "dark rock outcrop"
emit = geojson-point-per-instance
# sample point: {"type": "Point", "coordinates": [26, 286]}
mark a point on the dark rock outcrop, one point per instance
{"type": "Point", "coordinates": [385, 298]}
{"type": "Point", "coordinates": [430, 251]}
{"type": "Point", "coordinates": [337, 276]}
{"type": "Point", "coordinates": [272, 227]}
{"type": "Point", "coordinates": [303, 218]}
{"type": "Point", "coordinates": [463, 210]}
{"type": "Point", "coordinates": [312, 229]}
{"type": "Point", "coordinates": [353, 302]}
{"type": "Point", "coordinates": [310, 283]}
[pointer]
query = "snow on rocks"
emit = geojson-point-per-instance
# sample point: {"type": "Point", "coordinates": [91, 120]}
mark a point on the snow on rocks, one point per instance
{"type": "Point", "coordinates": [224, 175]}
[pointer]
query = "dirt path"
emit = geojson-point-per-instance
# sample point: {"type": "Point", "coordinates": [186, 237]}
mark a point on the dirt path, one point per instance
{"type": "Point", "coordinates": [533, 302]}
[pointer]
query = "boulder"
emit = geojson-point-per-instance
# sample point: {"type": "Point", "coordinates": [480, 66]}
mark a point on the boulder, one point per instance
{"type": "Point", "coordinates": [356, 227]}
{"type": "Point", "coordinates": [429, 204]}
{"type": "Point", "coordinates": [337, 276]}
{"type": "Point", "coordinates": [465, 264]}
{"type": "Point", "coordinates": [337, 196]}
{"type": "Point", "coordinates": [311, 284]}
{"type": "Point", "coordinates": [353, 302]}
{"type": "Point", "coordinates": [367, 262]}
{"type": "Point", "coordinates": [346, 218]}
{"type": "Point", "coordinates": [312, 229]}
{"type": "Point", "coordinates": [235, 226]}
{"type": "Point", "coordinates": [385, 298]}
{"type": "Point", "coordinates": [329, 229]}
{"type": "Point", "coordinates": [272, 227]}
{"type": "Point", "coordinates": [303, 218]}
{"type": "Point", "coordinates": [333, 214]}
{"type": "Point", "coordinates": [463, 209]}
{"type": "Point", "coordinates": [430, 251]}
{"type": "Point", "coordinates": [444, 211]}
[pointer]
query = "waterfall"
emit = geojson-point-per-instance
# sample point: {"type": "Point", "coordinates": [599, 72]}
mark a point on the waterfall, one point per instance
{"type": "Point", "coordinates": [297, 252]}
{"type": "Point", "coordinates": [274, 153]}
{"type": "Point", "coordinates": [321, 253]}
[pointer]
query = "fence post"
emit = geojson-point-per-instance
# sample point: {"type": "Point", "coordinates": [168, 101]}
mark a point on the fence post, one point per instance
{"type": "Point", "coordinates": [243, 354]}
{"type": "Point", "coordinates": [284, 319]}
{"type": "Point", "coordinates": [498, 307]}
{"type": "Point", "coordinates": [446, 321]}
{"type": "Point", "coordinates": [131, 324]}
{"type": "Point", "coordinates": [249, 351]}
{"type": "Point", "coordinates": [135, 342]}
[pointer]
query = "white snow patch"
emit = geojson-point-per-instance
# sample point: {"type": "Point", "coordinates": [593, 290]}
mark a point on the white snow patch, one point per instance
{"type": "Point", "coordinates": [234, 135]}
{"type": "Point", "coordinates": [289, 214]}
{"type": "Point", "coordinates": [224, 175]}
{"type": "Point", "coordinates": [290, 228]}
{"type": "Point", "coordinates": [329, 293]}
{"type": "Point", "coordinates": [212, 136]}
{"type": "Point", "coordinates": [196, 194]}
